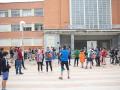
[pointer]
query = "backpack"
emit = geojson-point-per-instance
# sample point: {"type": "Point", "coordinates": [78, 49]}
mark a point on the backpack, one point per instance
{"type": "Point", "coordinates": [49, 55]}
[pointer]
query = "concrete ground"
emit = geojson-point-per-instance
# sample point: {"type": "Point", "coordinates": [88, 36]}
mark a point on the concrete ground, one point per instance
{"type": "Point", "coordinates": [98, 78]}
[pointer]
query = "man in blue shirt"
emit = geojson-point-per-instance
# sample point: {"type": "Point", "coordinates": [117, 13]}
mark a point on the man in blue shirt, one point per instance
{"type": "Point", "coordinates": [64, 60]}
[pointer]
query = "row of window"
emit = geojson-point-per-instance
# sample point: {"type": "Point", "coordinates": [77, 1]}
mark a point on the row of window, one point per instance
{"type": "Point", "coordinates": [20, 42]}
{"type": "Point", "coordinates": [24, 12]}
{"type": "Point", "coordinates": [27, 27]}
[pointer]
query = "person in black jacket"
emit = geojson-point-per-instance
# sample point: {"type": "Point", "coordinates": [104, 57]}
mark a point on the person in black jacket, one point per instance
{"type": "Point", "coordinates": [5, 70]}
{"type": "Point", "coordinates": [1, 56]}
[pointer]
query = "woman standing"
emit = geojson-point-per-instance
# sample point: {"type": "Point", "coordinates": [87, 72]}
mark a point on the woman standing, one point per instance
{"type": "Point", "coordinates": [5, 70]}
{"type": "Point", "coordinates": [82, 57]}
{"type": "Point", "coordinates": [48, 56]}
{"type": "Point", "coordinates": [39, 58]}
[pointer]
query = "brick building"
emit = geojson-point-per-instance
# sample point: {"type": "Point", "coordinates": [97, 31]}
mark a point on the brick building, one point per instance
{"type": "Point", "coordinates": [75, 23]}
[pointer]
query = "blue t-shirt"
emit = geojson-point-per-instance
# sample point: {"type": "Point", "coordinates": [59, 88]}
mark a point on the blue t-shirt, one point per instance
{"type": "Point", "coordinates": [64, 55]}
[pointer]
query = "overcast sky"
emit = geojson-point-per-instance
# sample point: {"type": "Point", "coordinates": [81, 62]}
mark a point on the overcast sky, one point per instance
{"type": "Point", "coordinates": [4, 1]}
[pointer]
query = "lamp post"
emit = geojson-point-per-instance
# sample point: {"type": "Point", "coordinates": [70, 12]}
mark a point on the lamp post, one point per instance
{"type": "Point", "coordinates": [22, 23]}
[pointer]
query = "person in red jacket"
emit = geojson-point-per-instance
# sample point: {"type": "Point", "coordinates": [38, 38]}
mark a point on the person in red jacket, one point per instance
{"type": "Point", "coordinates": [19, 61]}
{"type": "Point", "coordinates": [103, 56]}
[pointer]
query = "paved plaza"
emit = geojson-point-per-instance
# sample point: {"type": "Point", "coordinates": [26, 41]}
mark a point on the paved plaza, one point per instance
{"type": "Point", "coordinates": [99, 78]}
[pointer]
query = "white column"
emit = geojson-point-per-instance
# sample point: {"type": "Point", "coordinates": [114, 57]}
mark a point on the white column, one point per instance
{"type": "Point", "coordinates": [32, 12]}
{"type": "Point", "coordinates": [33, 28]}
{"type": "Point", "coordinates": [9, 13]}
{"type": "Point", "coordinates": [20, 13]}
{"type": "Point", "coordinates": [72, 42]}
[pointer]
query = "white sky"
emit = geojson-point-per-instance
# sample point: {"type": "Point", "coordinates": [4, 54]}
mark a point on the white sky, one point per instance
{"type": "Point", "coordinates": [4, 1]}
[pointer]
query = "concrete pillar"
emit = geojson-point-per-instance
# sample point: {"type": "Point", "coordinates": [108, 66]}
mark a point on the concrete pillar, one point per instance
{"type": "Point", "coordinates": [72, 42]}
{"type": "Point", "coordinates": [119, 41]}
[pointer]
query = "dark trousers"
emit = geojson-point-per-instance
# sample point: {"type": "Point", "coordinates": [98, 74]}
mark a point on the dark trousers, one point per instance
{"type": "Point", "coordinates": [43, 59]}
{"type": "Point", "coordinates": [18, 66]}
{"type": "Point", "coordinates": [115, 60]}
{"type": "Point", "coordinates": [64, 63]}
{"type": "Point", "coordinates": [69, 57]}
{"type": "Point", "coordinates": [50, 64]}
{"type": "Point", "coordinates": [0, 67]}
{"type": "Point", "coordinates": [76, 60]}
{"type": "Point", "coordinates": [97, 59]}
{"type": "Point", "coordinates": [23, 64]}
{"type": "Point", "coordinates": [40, 64]}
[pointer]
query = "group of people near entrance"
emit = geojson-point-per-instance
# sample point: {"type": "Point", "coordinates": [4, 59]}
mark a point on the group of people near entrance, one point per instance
{"type": "Point", "coordinates": [89, 56]}
{"type": "Point", "coordinates": [81, 57]}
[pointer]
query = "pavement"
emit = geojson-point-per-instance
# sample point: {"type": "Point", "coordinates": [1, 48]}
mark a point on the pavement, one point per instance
{"type": "Point", "coordinates": [106, 77]}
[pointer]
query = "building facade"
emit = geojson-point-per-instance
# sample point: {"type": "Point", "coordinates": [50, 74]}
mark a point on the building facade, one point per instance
{"type": "Point", "coordinates": [75, 23]}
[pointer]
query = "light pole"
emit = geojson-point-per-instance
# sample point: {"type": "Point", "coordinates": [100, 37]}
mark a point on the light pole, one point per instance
{"type": "Point", "coordinates": [22, 23]}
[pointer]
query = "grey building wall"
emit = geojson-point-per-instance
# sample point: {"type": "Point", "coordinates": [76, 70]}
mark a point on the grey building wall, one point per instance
{"type": "Point", "coordinates": [115, 42]}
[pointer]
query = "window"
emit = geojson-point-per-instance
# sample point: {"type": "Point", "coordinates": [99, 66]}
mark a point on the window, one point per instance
{"type": "Point", "coordinates": [15, 27]}
{"type": "Point", "coordinates": [37, 42]}
{"type": "Point", "coordinates": [15, 13]}
{"type": "Point", "coordinates": [38, 12]}
{"type": "Point", "coordinates": [38, 27]}
{"type": "Point", "coordinates": [91, 14]}
{"type": "Point", "coordinates": [27, 27]}
{"type": "Point", "coordinates": [3, 13]}
{"type": "Point", "coordinates": [5, 42]}
{"type": "Point", "coordinates": [26, 12]}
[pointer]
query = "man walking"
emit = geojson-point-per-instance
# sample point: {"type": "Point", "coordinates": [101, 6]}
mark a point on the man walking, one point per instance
{"type": "Point", "coordinates": [64, 61]}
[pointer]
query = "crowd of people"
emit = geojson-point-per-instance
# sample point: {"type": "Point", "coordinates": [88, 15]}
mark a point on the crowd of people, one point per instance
{"type": "Point", "coordinates": [92, 57]}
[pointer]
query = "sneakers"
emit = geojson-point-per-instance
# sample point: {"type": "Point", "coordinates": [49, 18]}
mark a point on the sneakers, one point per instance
{"type": "Point", "coordinates": [21, 73]}
{"type": "Point", "coordinates": [60, 78]}
{"type": "Point", "coordinates": [68, 77]}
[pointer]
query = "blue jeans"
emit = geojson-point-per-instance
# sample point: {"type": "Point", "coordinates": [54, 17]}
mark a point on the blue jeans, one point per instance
{"type": "Point", "coordinates": [18, 66]}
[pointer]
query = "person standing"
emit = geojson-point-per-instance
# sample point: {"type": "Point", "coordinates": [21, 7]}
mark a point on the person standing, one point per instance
{"type": "Point", "coordinates": [119, 56]}
{"type": "Point", "coordinates": [11, 54]}
{"type": "Point", "coordinates": [116, 56]}
{"type": "Point", "coordinates": [89, 58]}
{"type": "Point", "coordinates": [39, 58]}
{"type": "Point", "coordinates": [112, 56]}
{"type": "Point", "coordinates": [5, 70]}
{"type": "Point", "coordinates": [48, 55]}
{"type": "Point", "coordinates": [76, 54]}
{"type": "Point", "coordinates": [1, 56]}
{"type": "Point", "coordinates": [69, 55]}
{"type": "Point", "coordinates": [64, 61]}
{"type": "Point", "coordinates": [103, 56]}
{"type": "Point", "coordinates": [82, 57]}
{"type": "Point", "coordinates": [19, 61]}
{"type": "Point", "coordinates": [97, 58]}
{"type": "Point", "coordinates": [43, 57]}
